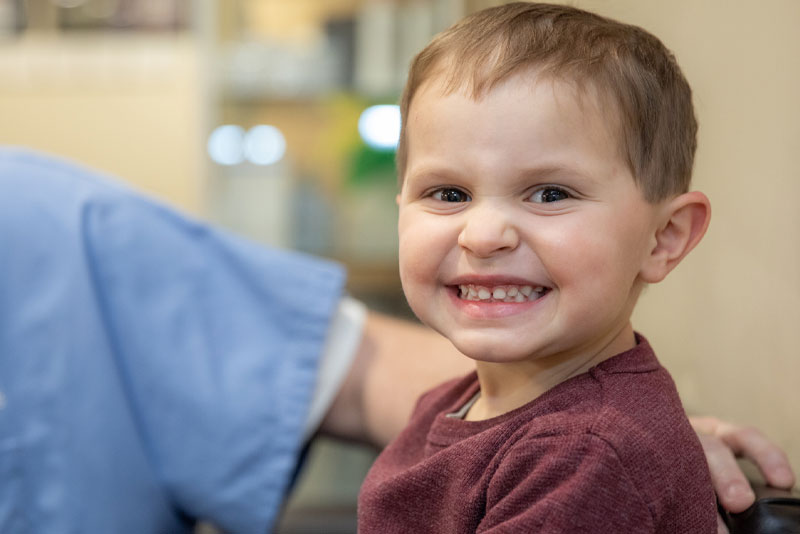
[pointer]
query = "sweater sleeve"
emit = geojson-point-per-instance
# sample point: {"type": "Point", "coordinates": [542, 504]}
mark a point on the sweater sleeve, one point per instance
{"type": "Point", "coordinates": [561, 484]}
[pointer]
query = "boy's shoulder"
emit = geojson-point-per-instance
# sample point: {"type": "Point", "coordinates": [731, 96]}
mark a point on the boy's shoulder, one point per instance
{"type": "Point", "coordinates": [629, 401]}
{"type": "Point", "coordinates": [613, 438]}
{"type": "Point", "coordinates": [623, 415]}
{"type": "Point", "coordinates": [627, 406]}
{"type": "Point", "coordinates": [625, 397]}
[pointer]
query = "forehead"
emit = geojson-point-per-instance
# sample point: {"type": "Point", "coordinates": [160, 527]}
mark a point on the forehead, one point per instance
{"type": "Point", "coordinates": [579, 89]}
{"type": "Point", "coordinates": [524, 117]}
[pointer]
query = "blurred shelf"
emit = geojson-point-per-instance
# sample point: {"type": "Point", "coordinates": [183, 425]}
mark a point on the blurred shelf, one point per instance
{"type": "Point", "coordinates": [378, 286]}
{"type": "Point", "coordinates": [373, 278]}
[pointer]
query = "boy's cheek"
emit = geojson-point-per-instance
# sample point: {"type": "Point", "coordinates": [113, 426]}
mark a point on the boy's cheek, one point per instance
{"type": "Point", "coordinates": [419, 229]}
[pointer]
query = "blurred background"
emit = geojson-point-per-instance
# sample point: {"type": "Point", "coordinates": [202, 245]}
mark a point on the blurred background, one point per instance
{"type": "Point", "coordinates": [275, 118]}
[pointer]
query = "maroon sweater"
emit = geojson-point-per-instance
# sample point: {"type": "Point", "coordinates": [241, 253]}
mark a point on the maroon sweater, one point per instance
{"type": "Point", "coordinates": [608, 451]}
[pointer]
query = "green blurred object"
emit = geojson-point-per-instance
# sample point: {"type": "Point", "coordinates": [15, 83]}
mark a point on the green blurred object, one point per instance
{"type": "Point", "coordinates": [370, 166]}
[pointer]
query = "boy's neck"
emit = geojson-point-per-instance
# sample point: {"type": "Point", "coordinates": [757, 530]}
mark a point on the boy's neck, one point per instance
{"type": "Point", "coordinates": [507, 386]}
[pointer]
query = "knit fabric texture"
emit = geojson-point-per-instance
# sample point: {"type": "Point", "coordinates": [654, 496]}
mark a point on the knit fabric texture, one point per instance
{"type": "Point", "coordinates": [607, 451]}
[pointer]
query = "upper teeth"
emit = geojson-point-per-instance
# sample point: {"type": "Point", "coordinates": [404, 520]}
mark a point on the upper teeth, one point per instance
{"type": "Point", "coordinates": [507, 293]}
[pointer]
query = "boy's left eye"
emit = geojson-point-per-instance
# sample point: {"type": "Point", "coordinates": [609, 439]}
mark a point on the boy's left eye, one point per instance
{"type": "Point", "coordinates": [549, 194]}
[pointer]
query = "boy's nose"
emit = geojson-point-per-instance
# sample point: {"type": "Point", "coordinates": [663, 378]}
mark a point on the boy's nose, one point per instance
{"type": "Point", "coordinates": [488, 232]}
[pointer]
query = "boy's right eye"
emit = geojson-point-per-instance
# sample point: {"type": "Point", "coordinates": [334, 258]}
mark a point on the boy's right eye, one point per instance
{"type": "Point", "coordinates": [450, 194]}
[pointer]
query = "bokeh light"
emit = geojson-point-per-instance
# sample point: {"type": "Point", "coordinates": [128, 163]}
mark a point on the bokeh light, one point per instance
{"type": "Point", "coordinates": [264, 145]}
{"type": "Point", "coordinates": [226, 144]}
{"type": "Point", "coordinates": [379, 126]}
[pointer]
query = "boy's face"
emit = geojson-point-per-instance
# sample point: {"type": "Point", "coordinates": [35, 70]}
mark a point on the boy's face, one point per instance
{"type": "Point", "coordinates": [521, 197]}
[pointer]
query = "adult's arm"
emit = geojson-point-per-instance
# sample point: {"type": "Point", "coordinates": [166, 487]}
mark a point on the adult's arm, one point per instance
{"type": "Point", "coordinates": [396, 362]}
{"type": "Point", "coordinates": [152, 369]}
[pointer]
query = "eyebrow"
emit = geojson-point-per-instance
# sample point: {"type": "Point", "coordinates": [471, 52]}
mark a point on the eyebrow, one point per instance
{"type": "Point", "coordinates": [542, 173]}
{"type": "Point", "coordinates": [547, 171]}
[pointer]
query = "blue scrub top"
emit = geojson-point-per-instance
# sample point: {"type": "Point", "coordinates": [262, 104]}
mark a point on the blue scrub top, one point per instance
{"type": "Point", "coordinates": [153, 369]}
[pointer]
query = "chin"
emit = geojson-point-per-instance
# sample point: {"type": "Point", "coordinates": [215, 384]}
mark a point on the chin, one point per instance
{"type": "Point", "coordinates": [491, 350]}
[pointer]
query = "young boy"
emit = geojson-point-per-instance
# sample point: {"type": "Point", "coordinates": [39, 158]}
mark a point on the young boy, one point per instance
{"type": "Point", "coordinates": [545, 161]}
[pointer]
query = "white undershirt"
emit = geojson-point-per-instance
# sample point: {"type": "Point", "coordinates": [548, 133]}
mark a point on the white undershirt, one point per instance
{"type": "Point", "coordinates": [341, 345]}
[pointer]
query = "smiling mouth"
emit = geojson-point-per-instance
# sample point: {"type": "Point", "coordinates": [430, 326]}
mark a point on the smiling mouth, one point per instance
{"type": "Point", "coordinates": [503, 293]}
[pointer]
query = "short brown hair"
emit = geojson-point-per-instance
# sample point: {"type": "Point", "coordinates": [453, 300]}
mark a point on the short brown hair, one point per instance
{"type": "Point", "coordinates": [656, 121]}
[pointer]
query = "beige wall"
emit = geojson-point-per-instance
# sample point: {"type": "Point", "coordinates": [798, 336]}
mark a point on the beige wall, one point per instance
{"type": "Point", "coordinates": [726, 322]}
{"type": "Point", "coordinates": [128, 105]}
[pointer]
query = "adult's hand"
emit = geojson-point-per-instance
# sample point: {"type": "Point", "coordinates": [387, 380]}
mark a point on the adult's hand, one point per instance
{"type": "Point", "coordinates": [723, 442]}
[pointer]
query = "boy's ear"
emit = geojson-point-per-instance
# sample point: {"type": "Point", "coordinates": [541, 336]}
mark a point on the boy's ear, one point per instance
{"type": "Point", "coordinates": [684, 223]}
